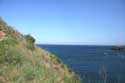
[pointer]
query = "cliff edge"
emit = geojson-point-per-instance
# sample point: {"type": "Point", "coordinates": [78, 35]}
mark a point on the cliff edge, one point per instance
{"type": "Point", "coordinates": [23, 62]}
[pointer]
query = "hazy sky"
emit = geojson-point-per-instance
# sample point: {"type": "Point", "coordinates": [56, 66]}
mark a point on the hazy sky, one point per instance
{"type": "Point", "coordinates": [89, 22]}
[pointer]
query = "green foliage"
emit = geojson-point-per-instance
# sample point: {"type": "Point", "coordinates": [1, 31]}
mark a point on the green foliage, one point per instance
{"type": "Point", "coordinates": [29, 73]}
{"type": "Point", "coordinates": [55, 59]}
{"type": "Point", "coordinates": [30, 46]}
{"type": "Point", "coordinates": [74, 79]}
{"type": "Point", "coordinates": [8, 53]}
{"type": "Point", "coordinates": [30, 41]}
{"type": "Point", "coordinates": [13, 56]}
{"type": "Point", "coordinates": [69, 69]}
{"type": "Point", "coordinates": [10, 30]}
{"type": "Point", "coordinates": [9, 41]}
{"type": "Point", "coordinates": [19, 64]}
{"type": "Point", "coordinates": [29, 38]}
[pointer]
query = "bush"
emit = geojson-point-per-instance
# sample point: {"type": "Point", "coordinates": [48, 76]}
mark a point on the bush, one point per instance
{"type": "Point", "coordinates": [30, 41]}
{"type": "Point", "coordinates": [29, 38]}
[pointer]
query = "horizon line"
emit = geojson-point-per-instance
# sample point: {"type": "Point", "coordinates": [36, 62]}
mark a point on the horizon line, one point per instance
{"type": "Point", "coordinates": [79, 44]}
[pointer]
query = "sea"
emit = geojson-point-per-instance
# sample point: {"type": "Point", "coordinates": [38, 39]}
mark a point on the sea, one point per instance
{"type": "Point", "coordinates": [94, 64]}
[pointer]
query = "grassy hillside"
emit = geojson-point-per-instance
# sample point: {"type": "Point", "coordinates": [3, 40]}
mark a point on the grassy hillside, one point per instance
{"type": "Point", "coordinates": [23, 62]}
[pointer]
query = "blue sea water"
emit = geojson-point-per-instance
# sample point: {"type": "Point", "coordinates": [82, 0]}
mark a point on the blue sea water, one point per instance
{"type": "Point", "coordinates": [94, 64]}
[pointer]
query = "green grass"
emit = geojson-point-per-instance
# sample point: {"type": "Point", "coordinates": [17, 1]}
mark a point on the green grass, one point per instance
{"type": "Point", "coordinates": [23, 62]}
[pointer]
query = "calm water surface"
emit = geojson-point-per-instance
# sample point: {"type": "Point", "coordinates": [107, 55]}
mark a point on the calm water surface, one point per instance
{"type": "Point", "coordinates": [94, 64]}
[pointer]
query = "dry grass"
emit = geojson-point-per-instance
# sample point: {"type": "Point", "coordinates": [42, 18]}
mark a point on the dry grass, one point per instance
{"type": "Point", "coordinates": [19, 64]}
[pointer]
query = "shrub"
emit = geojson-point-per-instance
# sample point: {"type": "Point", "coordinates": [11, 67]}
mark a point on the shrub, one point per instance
{"type": "Point", "coordinates": [30, 41]}
{"type": "Point", "coordinates": [29, 38]}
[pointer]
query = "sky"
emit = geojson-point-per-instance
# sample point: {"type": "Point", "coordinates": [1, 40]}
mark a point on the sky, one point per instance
{"type": "Point", "coordinates": [82, 22]}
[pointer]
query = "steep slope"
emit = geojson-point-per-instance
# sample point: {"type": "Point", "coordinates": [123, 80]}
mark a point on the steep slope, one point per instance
{"type": "Point", "coordinates": [23, 62]}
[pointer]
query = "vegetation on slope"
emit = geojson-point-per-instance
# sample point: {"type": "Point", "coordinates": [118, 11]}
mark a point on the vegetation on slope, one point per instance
{"type": "Point", "coordinates": [22, 62]}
